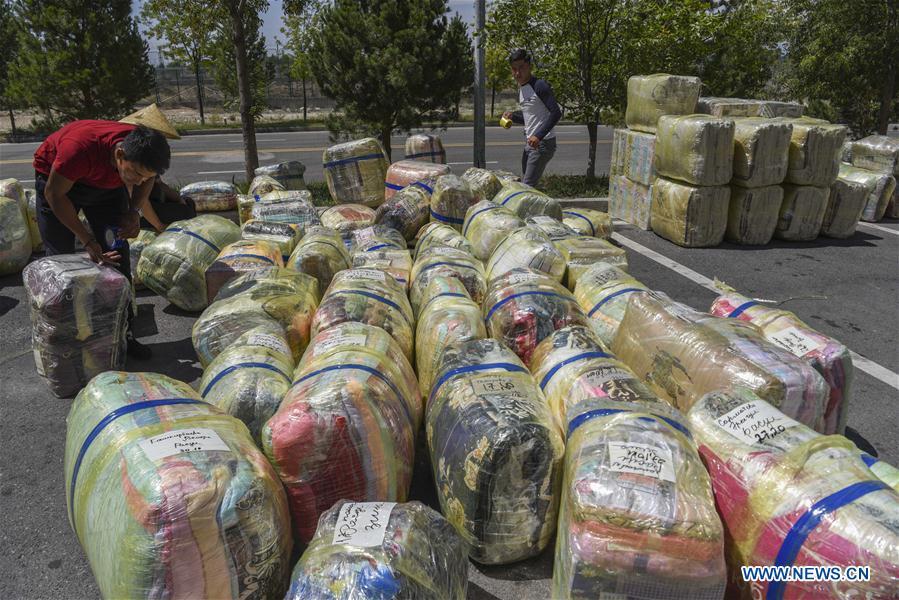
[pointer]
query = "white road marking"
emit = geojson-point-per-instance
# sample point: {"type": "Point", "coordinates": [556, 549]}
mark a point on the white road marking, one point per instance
{"type": "Point", "coordinates": [863, 364]}
{"type": "Point", "coordinates": [219, 172]}
{"type": "Point", "coordinates": [878, 227]}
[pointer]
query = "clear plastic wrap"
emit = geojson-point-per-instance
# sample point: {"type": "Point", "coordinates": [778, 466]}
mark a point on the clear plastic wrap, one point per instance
{"type": "Point", "coordinates": [486, 224]}
{"type": "Point", "coordinates": [393, 261]}
{"type": "Point", "coordinates": [484, 183]}
{"type": "Point", "coordinates": [689, 216]}
{"type": "Point", "coordinates": [288, 174]}
{"type": "Point", "coordinates": [451, 199]}
{"type": "Point", "coordinates": [425, 147]}
{"type": "Point", "coordinates": [495, 452]}
{"type": "Point", "coordinates": [802, 213]}
{"type": "Point", "coordinates": [788, 497]}
{"type": "Point", "coordinates": [523, 313]}
{"type": "Point", "coordinates": [526, 248]}
{"type": "Point", "coordinates": [739, 107]}
{"type": "Point", "coordinates": [505, 176]}
{"type": "Point", "coordinates": [447, 315]}
{"type": "Point", "coordinates": [845, 203]}
{"type": "Point", "coordinates": [414, 173]}
{"type": "Point", "coordinates": [880, 188]}
{"type": "Point", "coordinates": [293, 207]}
{"type": "Point", "coordinates": [555, 230]}
{"type": "Point", "coordinates": [761, 152]}
{"type": "Point", "coordinates": [696, 149]}
{"type": "Point", "coordinates": [284, 235]}
{"type": "Point", "coordinates": [753, 213]}
{"type": "Point", "coordinates": [211, 196]}
{"type": "Point", "coordinates": [878, 153]}
{"type": "Point", "coordinates": [136, 247]}
{"type": "Point", "coordinates": [447, 262]}
{"type": "Point", "coordinates": [815, 150]}
{"type": "Point", "coordinates": [651, 96]}
{"type": "Point", "coordinates": [248, 379]}
{"type": "Point", "coordinates": [633, 155]}
{"type": "Point", "coordinates": [37, 243]}
{"type": "Point", "coordinates": [406, 551]}
{"type": "Point", "coordinates": [174, 265]}
{"type": "Point", "coordinates": [272, 280]}
{"type": "Point", "coordinates": [263, 184]}
{"type": "Point", "coordinates": [684, 354]}
{"type": "Point", "coordinates": [826, 355]}
{"type": "Point", "coordinates": [245, 208]}
{"type": "Point", "coordinates": [237, 258]}
{"type": "Point", "coordinates": [346, 218]}
{"type": "Point", "coordinates": [342, 431]}
{"type": "Point", "coordinates": [11, 188]}
{"type": "Point", "coordinates": [526, 201]}
{"type": "Point", "coordinates": [78, 319]}
{"type": "Point", "coordinates": [603, 292]}
{"type": "Point", "coordinates": [586, 221]}
{"type": "Point", "coordinates": [368, 296]}
{"type": "Point", "coordinates": [407, 211]}
{"type": "Point", "coordinates": [169, 496]}
{"type": "Point", "coordinates": [438, 235]}
{"type": "Point", "coordinates": [630, 201]}
{"type": "Point", "coordinates": [15, 239]}
{"type": "Point", "coordinates": [581, 253]}
{"type": "Point", "coordinates": [355, 172]}
{"type": "Point", "coordinates": [320, 254]}
{"type": "Point", "coordinates": [377, 237]}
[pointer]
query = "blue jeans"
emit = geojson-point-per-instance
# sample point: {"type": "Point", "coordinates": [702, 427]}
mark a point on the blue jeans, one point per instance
{"type": "Point", "coordinates": [533, 161]}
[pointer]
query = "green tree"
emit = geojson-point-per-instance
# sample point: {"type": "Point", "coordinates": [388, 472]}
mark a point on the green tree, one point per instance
{"type": "Point", "coordinates": [224, 60]}
{"type": "Point", "coordinates": [499, 75]}
{"type": "Point", "coordinates": [299, 24]}
{"type": "Point", "coordinates": [78, 61]}
{"type": "Point", "coordinates": [8, 48]}
{"type": "Point", "coordinates": [390, 64]}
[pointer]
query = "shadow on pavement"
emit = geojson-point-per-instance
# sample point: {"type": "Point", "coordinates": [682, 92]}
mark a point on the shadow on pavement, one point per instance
{"type": "Point", "coordinates": [538, 568]}
{"type": "Point", "coordinates": [7, 304]}
{"type": "Point", "coordinates": [476, 592]}
{"type": "Point", "coordinates": [859, 239]}
{"type": "Point", "coordinates": [175, 359]}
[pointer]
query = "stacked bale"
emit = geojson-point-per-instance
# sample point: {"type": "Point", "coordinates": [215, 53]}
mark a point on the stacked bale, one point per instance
{"type": "Point", "coordinates": [238, 258]}
{"type": "Point", "coordinates": [407, 211]}
{"type": "Point", "coordinates": [526, 201]}
{"type": "Point", "coordinates": [288, 174]}
{"type": "Point", "coordinates": [603, 292]}
{"type": "Point", "coordinates": [486, 225]}
{"type": "Point", "coordinates": [405, 173]}
{"type": "Point", "coordinates": [15, 239]}
{"type": "Point", "coordinates": [425, 147]}
{"type": "Point", "coordinates": [355, 172]}
{"type": "Point", "coordinates": [211, 196]}
{"type": "Point", "coordinates": [876, 165]}
{"type": "Point", "coordinates": [321, 254]}
{"type": "Point", "coordinates": [450, 201]}
{"type": "Point", "coordinates": [740, 107]}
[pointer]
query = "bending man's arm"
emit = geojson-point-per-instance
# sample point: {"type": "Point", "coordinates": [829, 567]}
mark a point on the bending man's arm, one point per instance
{"type": "Point", "coordinates": [546, 95]}
{"type": "Point", "coordinates": [56, 192]}
{"type": "Point", "coordinates": [140, 201]}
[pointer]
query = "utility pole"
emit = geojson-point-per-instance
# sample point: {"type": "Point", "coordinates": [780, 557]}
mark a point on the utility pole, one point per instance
{"type": "Point", "coordinates": [480, 157]}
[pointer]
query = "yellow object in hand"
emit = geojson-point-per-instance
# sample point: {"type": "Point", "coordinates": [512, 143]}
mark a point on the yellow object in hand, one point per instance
{"type": "Point", "coordinates": [505, 123]}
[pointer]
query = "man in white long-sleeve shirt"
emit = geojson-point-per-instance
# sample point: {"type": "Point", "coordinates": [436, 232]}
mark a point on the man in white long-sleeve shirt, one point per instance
{"type": "Point", "coordinates": [539, 114]}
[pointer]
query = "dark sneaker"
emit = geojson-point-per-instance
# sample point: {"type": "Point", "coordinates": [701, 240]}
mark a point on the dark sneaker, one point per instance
{"type": "Point", "coordinates": [136, 349]}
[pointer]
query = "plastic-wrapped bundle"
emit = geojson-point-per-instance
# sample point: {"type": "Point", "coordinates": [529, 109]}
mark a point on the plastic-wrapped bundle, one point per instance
{"type": "Point", "coordinates": [630, 201]}
{"type": "Point", "coordinates": [393, 261]}
{"type": "Point", "coordinates": [739, 107]}
{"type": "Point", "coordinates": [78, 311]}
{"type": "Point", "coordinates": [407, 211]}
{"type": "Point", "coordinates": [696, 149]}
{"type": "Point", "coordinates": [484, 183]}
{"type": "Point", "coordinates": [342, 431]}
{"type": "Point", "coordinates": [284, 235]}
{"type": "Point", "coordinates": [238, 258]}
{"type": "Point", "coordinates": [885, 472]}
{"type": "Point", "coordinates": [753, 214]}
{"type": "Point", "coordinates": [878, 153]}
{"type": "Point", "coordinates": [37, 243]}
{"type": "Point", "coordinates": [525, 201]}
{"type": "Point", "coordinates": [136, 247]}
{"type": "Point", "coordinates": [523, 314]}
{"type": "Point", "coordinates": [633, 155]}
{"type": "Point", "coordinates": [346, 218]}
{"type": "Point", "coordinates": [526, 248]}
{"type": "Point", "coordinates": [245, 208]}
{"type": "Point", "coordinates": [438, 235]}
{"type": "Point", "coordinates": [174, 265]}
{"type": "Point", "coordinates": [406, 173]}
{"type": "Point", "coordinates": [211, 196]}
{"type": "Point", "coordinates": [495, 452]}
{"type": "Point", "coordinates": [791, 498]}
{"type": "Point", "coordinates": [263, 184]}
{"type": "Point", "coordinates": [249, 379]}
{"type": "Point", "coordinates": [603, 291]}
{"type": "Point", "coordinates": [15, 240]}
{"type": "Point", "coordinates": [355, 172]}
{"type": "Point", "coordinates": [815, 150]}
{"type": "Point", "coordinates": [486, 225]}
{"type": "Point", "coordinates": [802, 213]}
{"type": "Point", "coordinates": [289, 174]}
{"type": "Point", "coordinates": [689, 216]}
{"type": "Point", "coordinates": [506, 176]}
{"type": "Point", "coordinates": [253, 300]}
{"type": "Point", "coordinates": [845, 203]}
{"type": "Point", "coordinates": [684, 354]}
{"type": "Point", "coordinates": [377, 237]}
{"type": "Point", "coordinates": [406, 551]}
{"type": "Point", "coordinates": [826, 355]}
{"type": "Point", "coordinates": [450, 201]}
{"type": "Point", "coordinates": [586, 221]}
{"type": "Point", "coordinates": [761, 152]}
{"type": "Point", "coordinates": [447, 316]}
{"type": "Point", "coordinates": [554, 230]}
{"type": "Point", "coordinates": [651, 96]}
{"type": "Point", "coordinates": [583, 252]}
{"type": "Point", "coordinates": [880, 188]}
{"type": "Point", "coordinates": [368, 296]}
{"type": "Point", "coordinates": [425, 147]}
{"type": "Point", "coordinates": [447, 262]}
{"type": "Point", "coordinates": [11, 188]}
{"type": "Point", "coordinates": [320, 254]}
{"type": "Point", "coordinates": [280, 206]}
{"type": "Point", "coordinates": [169, 496]}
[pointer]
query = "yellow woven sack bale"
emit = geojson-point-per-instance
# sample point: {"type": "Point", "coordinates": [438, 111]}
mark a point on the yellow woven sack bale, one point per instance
{"type": "Point", "coordinates": [689, 216]}
{"type": "Point", "coordinates": [816, 147]}
{"type": "Point", "coordinates": [587, 221]}
{"type": "Point", "coordinates": [802, 213]}
{"type": "Point", "coordinates": [879, 153]}
{"type": "Point", "coordinates": [651, 96]}
{"type": "Point", "coordinates": [761, 151]}
{"type": "Point", "coordinates": [582, 252]}
{"type": "Point", "coordinates": [15, 241]}
{"type": "Point", "coordinates": [845, 204]}
{"type": "Point", "coordinates": [697, 149]}
{"type": "Point", "coordinates": [753, 214]}
{"type": "Point", "coordinates": [880, 188]}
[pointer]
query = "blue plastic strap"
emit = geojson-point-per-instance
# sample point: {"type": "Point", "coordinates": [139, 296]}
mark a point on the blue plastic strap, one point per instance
{"type": "Point", "coordinates": [421, 154]}
{"type": "Point", "coordinates": [98, 429]}
{"type": "Point", "coordinates": [610, 296]}
{"type": "Point", "coordinates": [740, 309]}
{"type": "Point", "coordinates": [869, 460]}
{"type": "Point", "coordinates": [195, 235]}
{"type": "Point", "coordinates": [580, 216]}
{"type": "Point", "coordinates": [445, 219]}
{"type": "Point", "coordinates": [374, 296]}
{"type": "Point", "coordinates": [243, 365]}
{"type": "Point", "coordinates": [513, 194]}
{"type": "Point", "coordinates": [441, 295]}
{"type": "Point", "coordinates": [572, 359]}
{"type": "Point", "coordinates": [365, 369]}
{"type": "Point", "coordinates": [510, 367]}
{"type": "Point", "coordinates": [424, 186]}
{"type": "Point", "coordinates": [605, 412]}
{"type": "Point", "coordinates": [474, 216]}
{"type": "Point", "coordinates": [447, 264]}
{"type": "Point", "coordinates": [392, 186]}
{"type": "Point", "coordinates": [259, 256]}
{"type": "Point", "coordinates": [807, 523]}
{"type": "Point", "coordinates": [499, 304]}
{"type": "Point", "coordinates": [352, 159]}
{"type": "Point", "coordinates": [381, 247]}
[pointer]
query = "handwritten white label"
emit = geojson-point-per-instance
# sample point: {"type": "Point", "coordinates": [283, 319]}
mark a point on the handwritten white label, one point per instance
{"type": "Point", "coordinates": [524, 278]}
{"type": "Point", "coordinates": [641, 459]}
{"type": "Point", "coordinates": [496, 384]}
{"type": "Point", "coordinates": [362, 524]}
{"type": "Point", "coordinates": [371, 263]}
{"type": "Point", "coordinates": [755, 422]}
{"type": "Point", "coordinates": [363, 274]}
{"type": "Point", "coordinates": [182, 441]}
{"type": "Point", "coordinates": [269, 341]}
{"type": "Point", "coordinates": [350, 339]}
{"type": "Point", "coordinates": [795, 341]}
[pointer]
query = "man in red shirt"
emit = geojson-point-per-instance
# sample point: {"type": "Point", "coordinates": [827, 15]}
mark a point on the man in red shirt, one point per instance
{"type": "Point", "coordinates": [106, 169]}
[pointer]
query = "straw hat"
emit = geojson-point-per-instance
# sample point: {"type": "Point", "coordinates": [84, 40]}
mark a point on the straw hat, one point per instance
{"type": "Point", "coordinates": [153, 118]}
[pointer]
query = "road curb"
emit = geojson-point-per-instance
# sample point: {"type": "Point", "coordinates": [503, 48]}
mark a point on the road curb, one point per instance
{"type": "Point", "coordinates": [601, 204]}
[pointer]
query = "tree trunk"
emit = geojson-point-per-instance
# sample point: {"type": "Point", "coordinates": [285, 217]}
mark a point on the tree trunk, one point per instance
{"type": "Point", "coordinates": [386, 130]}
{"type": "Point", "coordinates": [492, 100]}
{"type": "Point", "coordinates": [12, 122]}
{"type": "Point", "coordinates": [248, 128]}
{"type": "Point", "coordinates": [304, 99]}
{"type": "Point", "coordinates": [887, 93]}
{"type": "Point", "coordinates": [199, 92]}
{"type": "Point", "coordinates": [591, 157]}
